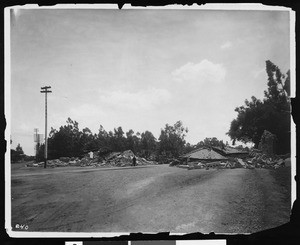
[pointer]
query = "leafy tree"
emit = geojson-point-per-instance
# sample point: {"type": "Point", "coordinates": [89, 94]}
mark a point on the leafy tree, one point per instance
{"type": "Point", "coordinates": [68, 141]}
{"type": "Point", "coordinates": [17, 154]}
{"type": "Point", "coordinates": [189, 147]}
{"type": "Point", "coordinates": [171, 140]}
{"type": "Point", "coordinates": [103, 140]}
{"type": "Point", "coordinates": [250, 122]}
{"type": "Point", "coordinates": [272, 114]}
{"type": "Point", "coordinates": [19, 149]}
{"type": "Point", "coordinates": [29, 158]}
{"type": "Point", "coordinates": [130, 140]}
{"type": "Point", "coordinates": [118, 140]}
{"type": "Point", "coordinates": [148, 144]}
{"type": "Point", "coordinates": [240, 147]}
{"type": "Point", "coordinates": [211, 142]}
{"type": "Point", "coordinates": [133, 141]}
{"type": "Point", "coordinates": [278, 106]}
{"type": "Point", "coordinates": [88, 140]}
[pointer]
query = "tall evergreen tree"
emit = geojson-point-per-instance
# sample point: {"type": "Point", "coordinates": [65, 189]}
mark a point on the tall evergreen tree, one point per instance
{"type": "Point", "coordinates": [272, 114]}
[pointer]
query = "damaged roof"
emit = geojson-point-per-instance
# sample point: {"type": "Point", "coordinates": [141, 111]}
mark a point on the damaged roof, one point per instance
{"type": "Point", "coordinates": [230, 150]}
{"type": "Point", "coordinates": [204, 153]}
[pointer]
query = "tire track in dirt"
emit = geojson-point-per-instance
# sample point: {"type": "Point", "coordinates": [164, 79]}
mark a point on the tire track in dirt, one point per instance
{"type": "Point", "coordinates": [145, 194]}
{"type": "Point", "coordinates": [223, 201]}
{"type": "Point", "coordinates": [57, 218]}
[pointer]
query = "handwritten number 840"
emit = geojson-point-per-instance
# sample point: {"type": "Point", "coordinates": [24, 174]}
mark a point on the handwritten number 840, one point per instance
{"type": "Point", "coordinates": [22, 227]}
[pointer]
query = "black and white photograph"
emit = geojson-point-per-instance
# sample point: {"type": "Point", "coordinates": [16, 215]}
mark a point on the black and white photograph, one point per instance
{"type": "Point", "coordinates": [163, 119]}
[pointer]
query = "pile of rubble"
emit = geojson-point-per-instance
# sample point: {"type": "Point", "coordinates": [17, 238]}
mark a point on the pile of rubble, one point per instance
{"type": "Point", "coordinates": [61, 162]}
{"type": "Point", "coordinates": [260, 160]}
{"type": "Point", "coordinates": [94, 159]}
{"type": "Point", "coordinates": [122, 159]}
{"type": "Point", "coordinates": [256, 159]}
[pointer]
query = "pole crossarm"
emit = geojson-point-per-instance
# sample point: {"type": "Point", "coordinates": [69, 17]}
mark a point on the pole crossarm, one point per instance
{"type": "Point", "coordinates": [46, 91]}
{"type": "Point", "coordinates": [46, 87]}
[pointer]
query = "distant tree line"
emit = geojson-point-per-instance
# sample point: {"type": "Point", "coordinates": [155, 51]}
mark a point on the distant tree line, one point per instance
{"type": "Point", "coordinates": [70, 141]}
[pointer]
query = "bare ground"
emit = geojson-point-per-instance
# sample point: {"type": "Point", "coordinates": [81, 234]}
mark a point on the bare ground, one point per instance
{"type": "Point", "coordinates": [150, 199]}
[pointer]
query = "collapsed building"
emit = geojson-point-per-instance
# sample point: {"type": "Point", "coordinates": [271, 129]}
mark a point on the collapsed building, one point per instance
{"type": "Point", "coordinates": [204, 156]}
{"type": "Point", "coordinates": [231, 152]}
{"type": "Point", "coordinates": [229, 157]}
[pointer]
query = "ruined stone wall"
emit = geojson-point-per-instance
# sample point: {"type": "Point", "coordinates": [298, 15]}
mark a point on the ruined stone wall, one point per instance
{"type": "Point", "coordinates": [267, 143]}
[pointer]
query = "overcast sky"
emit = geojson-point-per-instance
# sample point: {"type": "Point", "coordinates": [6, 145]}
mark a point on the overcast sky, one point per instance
{"type": "Point", "coordinates": [140, 69]}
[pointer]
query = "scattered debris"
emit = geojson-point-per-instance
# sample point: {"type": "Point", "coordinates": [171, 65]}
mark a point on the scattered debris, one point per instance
{"type": "Point", "coordinates": [255, 159]}
{"type": "Point", "coordinates": [280, 163]}
{"type": "Point", "coordinates": [64, 159]}
{"type": "Point", "coordinates": [93, 159]}
{"type": "Point", "coordinates": [174, 162]}
{"type": "Point", "coordinates": [242, 163]}
{"type": "Point", "coordinates": [183, 166]}
{"type": "Point", "coordinates": [213, 164]}
{"type": "Point", "coordinates": [230, 164]}
{"type": "Point", "coordinates": [254, 152]}
{"type": "Point", "coordinates": [126, 159]}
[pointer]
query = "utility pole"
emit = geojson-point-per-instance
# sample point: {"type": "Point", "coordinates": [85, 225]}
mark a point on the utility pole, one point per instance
{"type": "Point", "coordinates": [46, 91]}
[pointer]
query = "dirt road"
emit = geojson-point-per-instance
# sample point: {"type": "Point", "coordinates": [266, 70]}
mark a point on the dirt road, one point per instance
{"type": "Point", "coordinates": [150, 199]}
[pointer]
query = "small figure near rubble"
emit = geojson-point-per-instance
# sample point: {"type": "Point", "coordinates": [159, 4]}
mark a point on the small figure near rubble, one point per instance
{"type": "Point", "coordinates": [133, 161]}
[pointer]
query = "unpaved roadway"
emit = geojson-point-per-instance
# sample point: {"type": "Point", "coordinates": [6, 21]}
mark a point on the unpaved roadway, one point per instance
{"type": "Point", "coordinates": [149, 199]}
